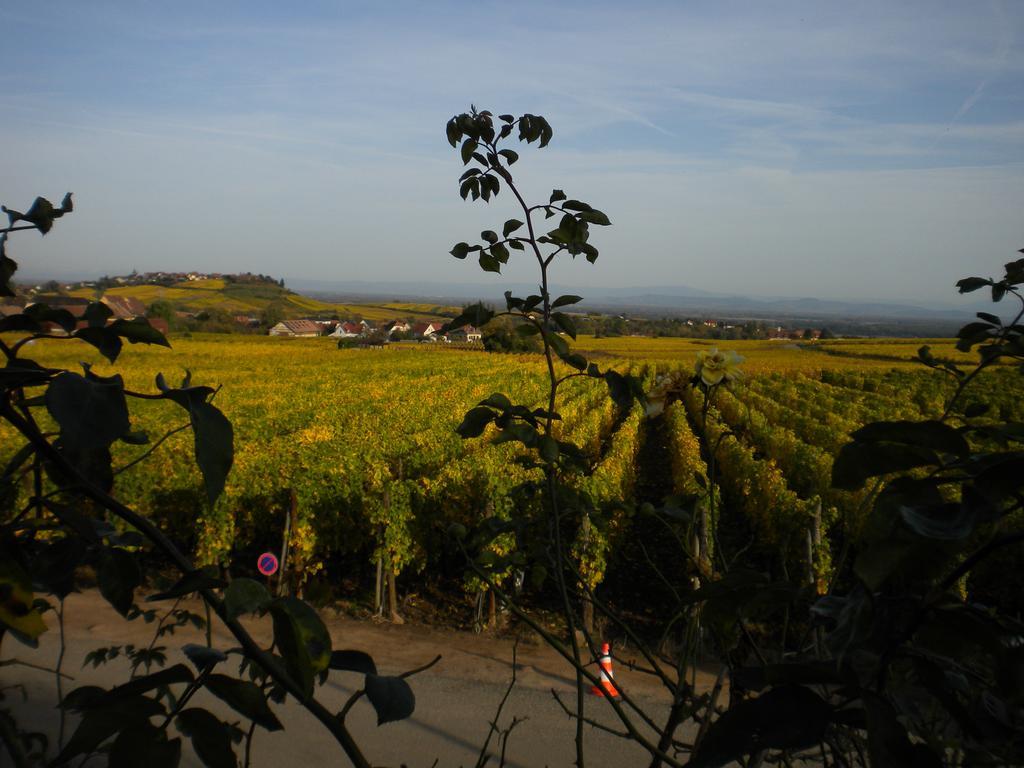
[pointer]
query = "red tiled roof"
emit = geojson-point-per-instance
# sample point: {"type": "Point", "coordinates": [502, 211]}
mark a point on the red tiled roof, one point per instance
{"type": "Point", "coordinates": [126, 307]}
{"type": "Point", "coordinates": [302, 326]}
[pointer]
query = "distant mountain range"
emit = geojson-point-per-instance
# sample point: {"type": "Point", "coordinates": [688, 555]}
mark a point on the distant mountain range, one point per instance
{"type": "Point", "coordinates": [844, 316]}
{"type": "Point", "coordinates": [674, 300]}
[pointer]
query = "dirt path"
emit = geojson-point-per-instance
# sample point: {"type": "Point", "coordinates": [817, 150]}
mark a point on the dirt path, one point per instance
{"type": "Point", "coordinates": [456, 699]}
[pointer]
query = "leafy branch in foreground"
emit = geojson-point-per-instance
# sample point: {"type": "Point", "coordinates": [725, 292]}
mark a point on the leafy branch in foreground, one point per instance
{"type": "Point", "coordinates": [72, 518]}
{"type": "Point", "coordinates": [900, 668]}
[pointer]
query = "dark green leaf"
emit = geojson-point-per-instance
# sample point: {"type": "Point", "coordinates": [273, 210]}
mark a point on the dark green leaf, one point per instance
{"type": "Point", "coordinates": [556, 195]}
{"type": "Point", "coordinates": [245, 698]}
{"type": "Point", "coordinates": [594, 217]}
{"type": "Point", "coordinates": [494, 184]}
{"type": "Point", "coordinates": [989, 318]}
{"type": "Point", "coordinates": [96, 314]}
{"type": "Point", "coordinates": [548, 449]}
{"type": "Point", "coordinates": [532, 301]}
{"type": "Point", "coordinates": [1015, 270]}
{"type": "Point", "coordinates": [391, 697]}
{"type": "Point", "coordinates": [475, 422]}
{"type": "Point", "coordinates": [211, 738]}
{"type": "Point", "coordinates": [947, 522]}
{"type": "Point", "coordinates": [144, 746]}
{"type": "Point", "coordinates": [1001, 478]}
{"type": "Point", "coordinates": [41, 213]}
{"type": "Point", "coordinates": [790, 717]}
{"type": "Point", "coordinates": [245, 596]}
{"type": "Point", "coordinates": [488, 263]}
{"type": "Point", "coordinates": [475, 314]}
{"type": "Point", "coordinates": [576, 205]}
{"type": "Point", "coordinates": [498, 401]}
{"type": "Point", "coordinates": [193, 581]}
{"type": "Point", "coordinates": [302, 640]}
{"type": "Point", "coordinates": [978, 331]}
{"type": "Point", "coordinates": [202, 656]}
{"type": "Point", "coordinates": [517, 431]}
{"type": "Point", "coordinates": [545, 133]}
{"type": "Point", "coordinates": [179, 673]}
{"type": "Point", "coordinates": [16, 323]}
{"type": "Point", "coordinates": [565, 323]}
{"type": "Point", "coordinates": [800, 673]}
{"type": "Point", "coordinates": [214, 445]}
{"type": "Point", "coordinates": [460, 250]}
{"type": "Point", "coordinates": [562, 301]}
{"type": "Point", "coordinates": [856, 462]}
{"type": "Point", "coordinates": [452, 132]}
{"type": "Point", "coordinates": [468, 148]}
{"type": "Point", "coordinates": [94, 729]}
{"type": "Point", "coordinates": [621, 391]}
{"type": "Point", "coordinates": [82, 698]}
{"type": "Point", "coordinates": [353, 661]}
{"type": "Point", "coordinates": [509, 155]}
{"type": "Point", "coordinates": [511, 226]}
{"type": "Point", "coordinates": [41, 313]}
{"type": "Point", "coordinates": [55, 564]}
{"type": "Point", "coordinates": [106, 341]}
{"type": "Point", "coordinates": [973, 410]}
{"type": "Point", "coordinates": [214, 436]}
{"type": "Point", "coordinates": [139, 332]}
{"type": "Point", "coordinates": [936, 435]}
{"type": "Point", "coordinates": [500, 252]}
{"type": "Point", "coordinates": [135, 438]}
{"type": "Point", "coordinates": [888, 743]}
{"type": "Point", "coordinates": [118, 576]}
{"type": "Point", "coordinates": [579, 362]}
{"type": "Point", "coordinates": [969, 284]}
{"type": "Point", "coordinates": [7, 269]}
{"type": "Point", "coordinates": [557, 343]}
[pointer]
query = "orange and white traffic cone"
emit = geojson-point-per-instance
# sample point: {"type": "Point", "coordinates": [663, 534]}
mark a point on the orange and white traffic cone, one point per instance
{"type": "Point", "coordinates": [607, 687]}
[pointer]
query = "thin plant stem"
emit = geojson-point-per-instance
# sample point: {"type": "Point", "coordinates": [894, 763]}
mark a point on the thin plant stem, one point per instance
{"type": "Point", "coordinates": [60, 680]}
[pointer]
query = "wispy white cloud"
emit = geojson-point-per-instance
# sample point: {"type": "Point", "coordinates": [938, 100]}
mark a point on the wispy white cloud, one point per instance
{"type": "Point", "coordinates": [760, 146]}
{"type": "Point", "coordinates": [1004, 41]}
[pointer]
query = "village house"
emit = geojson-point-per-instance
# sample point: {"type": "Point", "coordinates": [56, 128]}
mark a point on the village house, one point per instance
{"type": "Point", "coordinates": [247, 321]}
{"type": "Point", "coordinates": [467, 334]}
{"type": "Point", "coordinates": [125, 307]}
{"type": "Point", "coordinates": [394, 327]}
{"type": "Point", "coordinates": [347, 331]}
{"type": "Point", "coordinates": [295, 329]}
{"type": "Point", "coordinates": [427, 331]}
{"type": "Point", "coordinates": [121, 308]}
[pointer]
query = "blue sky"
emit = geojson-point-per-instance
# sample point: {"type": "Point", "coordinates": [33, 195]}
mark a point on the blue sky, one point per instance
{"type": "Point", "coordinates": [849, 150]}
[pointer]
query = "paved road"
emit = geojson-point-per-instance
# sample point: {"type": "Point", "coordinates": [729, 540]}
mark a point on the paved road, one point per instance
{"type": "Point", "coordinates": [455, 700]}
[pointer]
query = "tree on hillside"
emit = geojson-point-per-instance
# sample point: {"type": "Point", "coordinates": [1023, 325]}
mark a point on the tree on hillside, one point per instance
{"type": "Point", "coordinates": [162, 309]}
{"type": "Point", "coordinates": [502, 337]}
{"type": "Point", "coordinates": [272, 314]}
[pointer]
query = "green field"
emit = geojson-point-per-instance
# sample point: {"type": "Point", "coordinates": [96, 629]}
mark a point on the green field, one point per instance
{"type": "Point", "coordinates": [253, 298]}
{"type": "Point", "coordinates": [345, 429]}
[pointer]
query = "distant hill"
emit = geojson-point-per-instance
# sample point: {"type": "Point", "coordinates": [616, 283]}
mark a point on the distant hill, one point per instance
{"type": "Point", "coordinates": [251, 299]}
